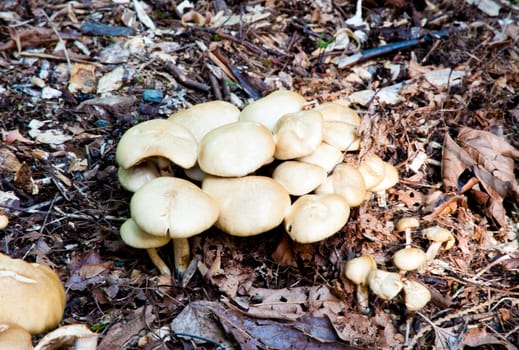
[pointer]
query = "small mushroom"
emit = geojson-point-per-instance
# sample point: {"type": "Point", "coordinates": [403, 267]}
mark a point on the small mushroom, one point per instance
{"type": "Point", "coordinates": [4, 221]}
{"type": "Point", "coordinates": [74, 336]}
{"type": "Point", "coordinates": [357, 270]}
{"type": "Point", "coordinates": [31, 295]}
{"type": "Point", "coordinates": [437, 235]}
{"type": "Point", "coordinates": [175, 208]}
{"type": "Point", "coordinates": [13, 337]}
{"type": "Point", "coordinates": [378, 176]}
{"type": "Point", "coordinates": [204, 117]}
{"type": "Point", "coordinates": [299, 178]}
{"type": "Point", "coordinates": [236, 149]}
{"type": "Point", "coordinates": [409, 259]}
{"type": "Point", "coordinates": [385, 284]}
{"type": "Point", "coordinates": [157, 137]}
{"type": "Point", "coordinates": [269, 109]}
{"type": "Point", "coordinates": [326, 156]}
{"type": "Point", "coordinates": [314, 217]}
{"type": "Point", "coordinates": [137, 176]}
{"type": "Point", "coordinates": [416, 295]}
{"type": "Point", "coordinates": [298, 134]}
{"type": "Point", "coordinates": [347, 181]}
{"type": "Point", "coordinates": [407, 225]}
{"type": "Point", "coordinates": [333, 111]}
{"type": "Point", "coordinates": [248, 205]}
{"type": "Point", "coordinates": [339, 134]}
{"type": "Point", "coordinates": [135, 237]}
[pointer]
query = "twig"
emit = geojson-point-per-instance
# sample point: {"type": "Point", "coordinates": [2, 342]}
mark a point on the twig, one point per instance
{"type": "Point", "coordinates": [59, 58]}
{"type": "Point", "coordinates": [60, 39]}
{"type": "Point", "coordinates": [184, 80]}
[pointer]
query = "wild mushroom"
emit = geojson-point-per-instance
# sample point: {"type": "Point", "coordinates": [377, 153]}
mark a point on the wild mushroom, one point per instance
{"type": "Point", "coordinates": [31, 295]}
{"type": "Point", "coordinates": [347, 181]}
{"type": "Point", "coordinates": [339, 134]}
{"type": "Point", "coordinates": [357, 270]}
{"type": "Point", "coordinates": [175, 208]}
{"type": "Point", "coordinates": [157, 137]}
{"type": "Point", "coordinates": [416, 295]}
{"type": "Point", "coordinates": [236, 149]}
{"type": "Point", "coordinates": [315, 217]}
{"type": "Point", "coordinates": [4, 221]}
{"type": "Point", "coordinates": [135, 237]}
{"type": "Point", "coordinates": [14, 337]}
{"type": "Point", "coordinates": [248, 205]}
{"type": "Point", "coordinates": [204, 117]}
{"type": "Point", "coordinates": [409, 259]}
{"type": "Point", "coordinates": [137, 176]}
{"type": "Point", "coordinates": [298, 134]}
{"type": "Point", "coordinates": [326, 156]}
{"type": "Point", "coordinates": [378, 176]}
{"type": "Point", "coordinates": [437, 235]}
{"type": "Point", "coordinates": [384, 284]}
{"type": "Point", "coordinates": [267, 110]}
{"type": "Point", "coordinates": [407, 225]}
{"type": "Point", "coordinates": [76, 336]}
{"type": "Point", "coordinates": [299, 178]}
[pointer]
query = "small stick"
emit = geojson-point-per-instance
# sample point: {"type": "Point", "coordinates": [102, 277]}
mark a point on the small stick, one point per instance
{"type": "Point", "coordinates": [184, 80]}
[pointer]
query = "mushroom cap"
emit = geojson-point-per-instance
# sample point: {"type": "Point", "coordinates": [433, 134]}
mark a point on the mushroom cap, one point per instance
{"type": "Point", "coordinates": [384, 284]}
{"type": "Point", "coordinates": [169, 206]}
{"type": "Point", "coordinates": [76, 336]}
{"type": "Point", "coordinates": [407, 223]}
{"type": "Point", "coordinates": [339, 134]}
{"type": "Point", "coordinates": [249, 205]}
{"type": "Point", "coordinates": [325, 155]}
{"type": "Point", "coordinates": [299, 178]}
{"type": "Point", "coordinates": [13, 337]}
{"type": "Point", "coordinates": [332, 111]}
{"type": "Point", "coordinates": [31, 295]}
{"type": "Point", "coordinates": [372, 168]}
{"type": "Point", "coordinates": [314, 217]}
{"type": "Point", "coordinates": [409, 259]}
{"type": "Point", "coordinates": [347, 181]}
{"type": "Point", "coordinates": [4, 221]}
{"type": "Point", "coordinates": [135, 237]}
{"type": "Point", "coordinates": [204, 117]}
{"type": "Point", "coordinates": [298, 134]}
{"type": "Point", "coordinates": [137, 176]}
{"type": "Point", "coordinates": [236, 149]}
{"type": "Point", "coordinates": [267, 110]}
{"type": "Point", "coordinates": [390, 178]}
{"type": "Point", "coordinates": [357, 270]}
{"type": "Point", "coordinates": [416, 295]}
{"type": "Point", "coordinates": [157, 137]}
{"type": "Point", "coordinates": [439, 234]}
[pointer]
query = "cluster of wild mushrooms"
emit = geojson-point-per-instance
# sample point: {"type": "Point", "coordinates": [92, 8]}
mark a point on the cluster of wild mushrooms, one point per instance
{"type": "Point", "coordinates": [246, 172]}
{"type": "Point", "coordinates": [32, 302]}
{"type": "Point", "coordinates": [363, 270]}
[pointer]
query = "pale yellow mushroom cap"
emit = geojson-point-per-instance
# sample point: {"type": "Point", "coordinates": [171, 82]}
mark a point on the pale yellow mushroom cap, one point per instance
{"type": "Point", "coordinates": [390, 178]}
{"type": "Point", "coordinates": [416, 295]}
{"type": "Point", "coordinates": [314, 217]}
{"type": "Point", "coordinates": [137, 176]}
{"type": "Point", "coordinates": [204, 117]}
{"type": "Point", "coordinates": [298, 134]}
{"type": "Point", "coordinates": [372, 168]}
{"type": "Point", "coordinates": [439, 234]}
{"type": "Point", "coordinates": [157, 137]}
{"type": "Point", "coordinates": [332, 111]}
{"type": "Point", "coordinates": [4, 221]}
{"type": "Point", "coordinates": [357, 270]}
{"type": "Point", "coordinates": [249, 205]}
{"type": "Point", "coordinates": [339, 134]}
{"type": "Point", "coordinates": [135, 237]}
{"type": "Point", "coordinates": [326, 156]}
{"type": "Point", "coordinates": [267, 110]}
{"type": "Point", "coordinates": [347, 181]}
{"type": "Point", "coordinates": [31, 295]}
{"type": "Point", "coordinates": [236, 149]}
{"type": "Point", "coordinates": [169, 206]}
{"type": "Point", "coordinates": [13, 337]}
{"type": "Point", "coordinates": [409, 259]}
{"type": "Point", "coordinates": [384, 284]}
{"type": "Point", "coordinates": [299, 178]}
{"type": "Point", "coordinates": [407, 223]}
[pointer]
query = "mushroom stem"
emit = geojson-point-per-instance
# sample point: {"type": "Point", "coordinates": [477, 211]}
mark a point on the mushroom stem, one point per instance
{"type": "Point", "coordinates": [408, 238]}
{"type": "Point", "coordinates": [381, 198]}
{"type": "Point", "coordinates": [432, 251]}
{"type": "Point", "coordinates": [363, 298]}
{"type": "Point", "coordinates": [182, 255]}
{"type": "Point", "coordinates": [158, 262]}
